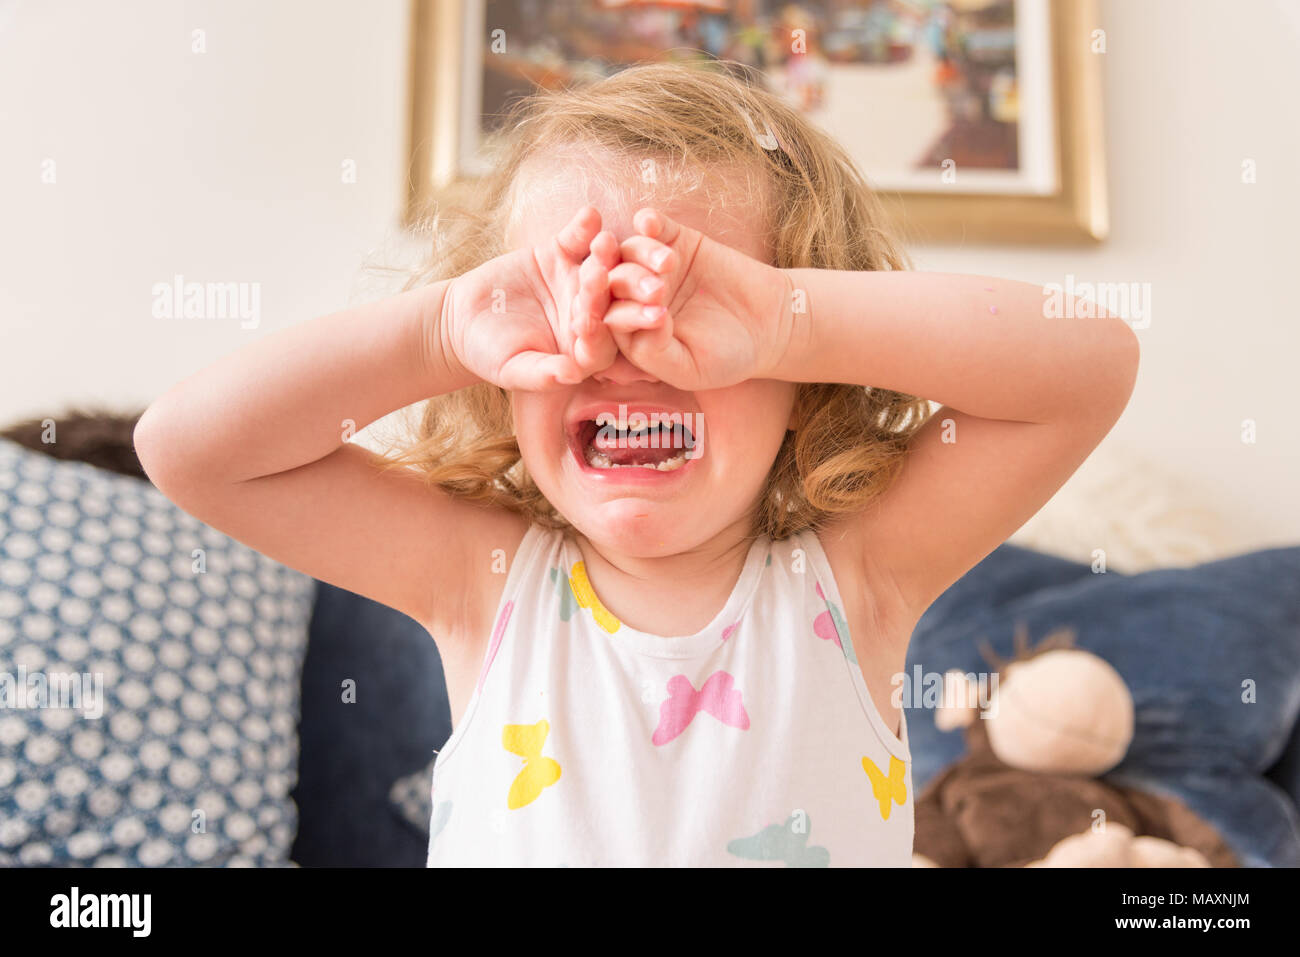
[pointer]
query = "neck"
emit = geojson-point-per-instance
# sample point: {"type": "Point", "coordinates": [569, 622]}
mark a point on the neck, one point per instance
{"type": "Point", "coordinates": [697, 580]}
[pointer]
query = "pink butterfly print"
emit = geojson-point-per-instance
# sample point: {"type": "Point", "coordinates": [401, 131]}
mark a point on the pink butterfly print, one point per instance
{"type": "Point", "coordinates": [824, 624]}
{"type": "Point", "coordinates": [717, 697]}
{"type": "Point", "coordinates": [495, 644]}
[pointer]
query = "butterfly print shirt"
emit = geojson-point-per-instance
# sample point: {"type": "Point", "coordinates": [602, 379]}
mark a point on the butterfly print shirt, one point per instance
{"type": "Point", "coordinates": [753, 743]}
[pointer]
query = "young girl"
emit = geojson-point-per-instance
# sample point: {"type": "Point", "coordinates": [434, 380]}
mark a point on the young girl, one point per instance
{"type": "Point", "coordinates": [675, 508]}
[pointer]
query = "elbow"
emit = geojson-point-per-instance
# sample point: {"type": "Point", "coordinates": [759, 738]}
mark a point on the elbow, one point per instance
{"type": "Point", "coordinates": [1123, 356]}
{"type": "Point", "coordinates": [144, 440]}
{"type": "Point", "coordinates": [151, 442]}
{"type": "Point", "coordinates": [1129, 357]}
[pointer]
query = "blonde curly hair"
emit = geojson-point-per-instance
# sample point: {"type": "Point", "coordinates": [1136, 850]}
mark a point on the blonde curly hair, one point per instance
{"type": "Point", "coordinates": [850, 441]}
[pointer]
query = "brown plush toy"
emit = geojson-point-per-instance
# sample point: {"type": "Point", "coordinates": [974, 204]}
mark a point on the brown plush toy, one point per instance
{"type": "Point", "coordinates": [1025, 794]}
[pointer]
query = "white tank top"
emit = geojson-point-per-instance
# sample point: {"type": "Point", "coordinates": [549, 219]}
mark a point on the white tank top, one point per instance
{"type": "Point", "coordinates": [754, 742]}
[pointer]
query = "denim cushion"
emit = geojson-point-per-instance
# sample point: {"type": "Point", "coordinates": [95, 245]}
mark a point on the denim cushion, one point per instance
{"type": "Point", "coordinates": [175, 652]}
{"type": "Point", "coordinates": [1191, 643]}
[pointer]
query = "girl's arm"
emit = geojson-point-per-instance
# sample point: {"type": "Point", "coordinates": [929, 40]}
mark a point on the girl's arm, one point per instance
{"type": "Point", "coordinates": [1025, 397]}
{"type": "Point", "coordinates": [256, 446]}
{"type": "Point", "coordinates": [1025, 400]}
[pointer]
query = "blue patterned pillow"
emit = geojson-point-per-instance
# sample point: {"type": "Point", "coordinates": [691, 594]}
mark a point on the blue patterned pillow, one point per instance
{"type": "Point", "coordinates": [149, 678]}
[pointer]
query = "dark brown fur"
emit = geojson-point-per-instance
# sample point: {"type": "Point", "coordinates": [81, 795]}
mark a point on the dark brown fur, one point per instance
{"type": "Point", "coordinates": [102, 439]}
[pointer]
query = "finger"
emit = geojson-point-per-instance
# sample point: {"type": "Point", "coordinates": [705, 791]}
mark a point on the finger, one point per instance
{"type": "Point", "coordinates": [627, 316]}
{"type": "Point", "coordinates": [654, 224]}
{"type": "Point", "coordinates": [595, 353]}
{"type": "Point", "coordinates": [634, 281]}
{"type": "Point", "coordinates": [650, 253]}
{"type": "Point", "coordinates": [575, 238]}
{"type": "Point", "coordinates": [658, 353]}
{"type": "Point", "coordinates": [592, 299]}
{"type": "Point", "coordinates": [593, 346]}
{"type": "Point", "coordinates": [605, 248]}
{"type": "Point", "coordinates": [648, 222]}
{"type": "Point", "coordinates": [538, 371]}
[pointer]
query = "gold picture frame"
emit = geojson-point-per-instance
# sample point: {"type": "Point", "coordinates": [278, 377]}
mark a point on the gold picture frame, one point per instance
{"type": "Point", "coordinates": [1076, 212]}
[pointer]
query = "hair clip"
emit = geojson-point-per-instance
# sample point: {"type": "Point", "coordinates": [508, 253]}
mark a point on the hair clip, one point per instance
{"type": "Point", "coordinates": [766, 139]}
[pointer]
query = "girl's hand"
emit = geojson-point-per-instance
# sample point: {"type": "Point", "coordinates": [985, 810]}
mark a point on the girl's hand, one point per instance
{"type": "Point", "coordinates": [531, 319]}
{"type": "Point", "coordinates": [718, 317]}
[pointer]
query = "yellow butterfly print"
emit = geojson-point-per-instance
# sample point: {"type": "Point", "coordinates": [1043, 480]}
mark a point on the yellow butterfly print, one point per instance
{"type": "Point", "coordinates": [886, 788]}
{"type": "Point", "coordinates": [586, 596]}
{"type": "Point", "coordinates": [527, 741]}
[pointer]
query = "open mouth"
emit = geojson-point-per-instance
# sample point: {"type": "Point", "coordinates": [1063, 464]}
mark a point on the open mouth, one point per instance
{"type": "Point", "coordinates": [646, 443]}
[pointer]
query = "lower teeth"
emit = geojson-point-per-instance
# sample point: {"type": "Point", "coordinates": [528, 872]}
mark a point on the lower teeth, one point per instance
{"type": "Point", "coordinates": [600, 460]}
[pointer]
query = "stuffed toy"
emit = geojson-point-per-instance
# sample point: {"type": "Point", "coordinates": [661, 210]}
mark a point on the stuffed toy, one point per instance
{"type": "Point", "coordinates": [99, 438]}
{"type": "Point", "coordinates": [1027, 792]}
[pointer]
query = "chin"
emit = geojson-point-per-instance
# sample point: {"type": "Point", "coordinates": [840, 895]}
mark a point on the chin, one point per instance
{"type": "Point", "coordinates": [638, 527]}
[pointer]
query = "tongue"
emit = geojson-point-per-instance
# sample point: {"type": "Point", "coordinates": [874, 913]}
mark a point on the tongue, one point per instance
{"type": "Point", "coordinates": [610, 446]}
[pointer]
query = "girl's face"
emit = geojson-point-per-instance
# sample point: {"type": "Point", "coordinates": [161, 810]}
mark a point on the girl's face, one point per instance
{"type": "Point", "coordinates": [592, 455]}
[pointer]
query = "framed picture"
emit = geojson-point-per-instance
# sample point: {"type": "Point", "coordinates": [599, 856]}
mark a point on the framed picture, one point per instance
{"type": "Point", "coordinates": [975, 120]}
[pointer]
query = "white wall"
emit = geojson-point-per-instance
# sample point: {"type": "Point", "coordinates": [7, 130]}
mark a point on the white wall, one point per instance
{"type": "Point", "coordinates": [1191, 89]}
{"type": "Point", "coordinates": [221, 166]}
{"type": "Point", "coordinates": [225, 166]}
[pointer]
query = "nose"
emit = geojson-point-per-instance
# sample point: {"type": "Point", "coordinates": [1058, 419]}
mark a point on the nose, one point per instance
{"type": "Point", "coordinates": [622, 372]}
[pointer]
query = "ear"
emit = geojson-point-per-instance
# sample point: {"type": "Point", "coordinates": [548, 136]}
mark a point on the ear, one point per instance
{"type": "Point", "coordinates": [959, 704]}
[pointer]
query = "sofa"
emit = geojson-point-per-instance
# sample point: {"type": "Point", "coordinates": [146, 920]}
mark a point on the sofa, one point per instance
{"type": "Point", "coordinates": [251, 716]}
